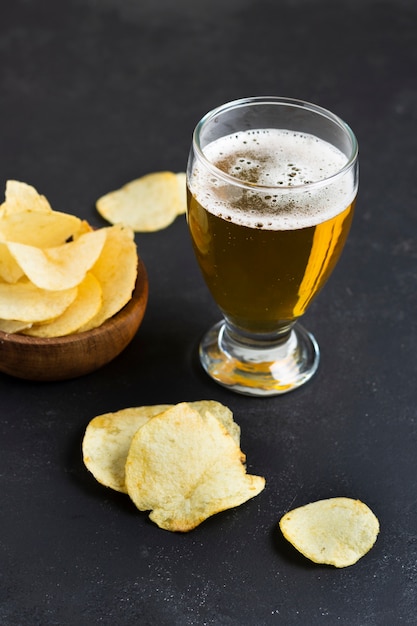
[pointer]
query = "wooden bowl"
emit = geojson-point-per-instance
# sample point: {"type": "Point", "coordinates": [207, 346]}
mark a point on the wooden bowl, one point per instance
{"type": "Point", "coordinates": [62, 358]}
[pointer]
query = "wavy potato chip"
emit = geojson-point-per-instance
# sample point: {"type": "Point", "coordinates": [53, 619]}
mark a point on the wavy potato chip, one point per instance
{"type": "Point", "coordinates": [221, 413]}
{"type": "Point", "coordinates": [336, 531]}
{"type": "Point", "coordinates": [24, 302]}
{"type": "Point", "coordinates": [10, 270]}
{"type": "Point", "coordinates": [108, 437]}
{"type": "Point", "coordinates": [60, 267]}
{"type": "Point", "coordinates": [39, 228]}
{"type": "Point", "coordinates": [107, 441]}
{"type": "Point", "coordinates": [13, 326]}
{"type": "Point", "coordinates": [182, 191]}
{"type": "Point", "coordinates": [146, 204]}
{"type": "Point", "coordinates": [79, 312]}
{"type": "Point", "coordinates": [83, 228]}
{"type": "Point", "coordinates": [21, 196]}
{"type": "Point", "coordinates": [184, 467]}
{"type": "Point", "coordinates": [116, 270]}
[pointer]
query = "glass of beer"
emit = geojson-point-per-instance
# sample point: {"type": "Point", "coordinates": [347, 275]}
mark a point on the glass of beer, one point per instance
{"type": "Point", "coordinates": [271, 186]}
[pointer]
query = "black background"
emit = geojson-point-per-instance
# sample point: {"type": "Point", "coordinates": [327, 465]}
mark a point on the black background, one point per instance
{"type": "Point", "coordinates": [94, 93]}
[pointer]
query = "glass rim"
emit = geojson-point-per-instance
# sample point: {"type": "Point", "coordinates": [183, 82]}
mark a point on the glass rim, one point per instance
{"type": "Point", "coordinates": [283, 101]}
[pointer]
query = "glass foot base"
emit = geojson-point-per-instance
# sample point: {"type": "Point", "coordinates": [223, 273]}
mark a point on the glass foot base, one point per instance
{"type": "Point", "coordinates": [262, 370]}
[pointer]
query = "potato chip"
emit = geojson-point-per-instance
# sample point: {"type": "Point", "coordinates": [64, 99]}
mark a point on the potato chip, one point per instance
{"type": "Point", "coordinates": [10, 270]}
{"type": "Point", "coordinates": [20, 197]}
{"type": "Point", "coordinates": [149, 203]}
{"type": "Point", "coordinates": [25, 302]}
{"type": "Point", "coordinates": [13, 326]}
{"type": "Point", "coordinates": [39, 228]}
{"type": "Point", "coordinates": [184, 467]}
{"type": "Point", "coordinates": [182, 190]}
{"type": "Point", "coordinates": [60, 267]}
{"type": "Point", "coordinates": [79, 312]}
{"type": "Point", "coordinates": [220, 412]}
{"type": "Point", "coordinates": [107, 441]}
{"type": "Point", "coordinates": [108, 437]}
{"type": "Point", "coordinates": [116, 271]}
{"type": "Point", "coordinates": [84, 228]}
{"type": "Point", "coordinates": [337, 531]}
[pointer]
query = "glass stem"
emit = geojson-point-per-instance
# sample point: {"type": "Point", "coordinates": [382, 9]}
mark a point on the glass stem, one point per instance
{"type": "Point", "coordinates": [245, 338]}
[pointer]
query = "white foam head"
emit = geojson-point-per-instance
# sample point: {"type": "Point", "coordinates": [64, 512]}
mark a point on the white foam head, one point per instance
{"type": "Point", "coordinates": [275, 176]}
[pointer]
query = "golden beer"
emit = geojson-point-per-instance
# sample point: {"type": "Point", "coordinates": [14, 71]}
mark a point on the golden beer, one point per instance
{"type": "Point", "coordinates": [267, 247]}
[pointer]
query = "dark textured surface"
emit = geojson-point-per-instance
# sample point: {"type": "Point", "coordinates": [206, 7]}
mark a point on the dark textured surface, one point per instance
{"type": "Point", "coordinates": [96, 92]}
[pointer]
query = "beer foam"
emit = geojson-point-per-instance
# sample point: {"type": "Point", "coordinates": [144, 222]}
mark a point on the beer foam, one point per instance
{"type": "Point", "coordinates": [281, 161]}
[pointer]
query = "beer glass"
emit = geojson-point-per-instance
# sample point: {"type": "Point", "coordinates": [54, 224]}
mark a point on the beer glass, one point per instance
{"type": "Point", "coordinates": [271, 186]}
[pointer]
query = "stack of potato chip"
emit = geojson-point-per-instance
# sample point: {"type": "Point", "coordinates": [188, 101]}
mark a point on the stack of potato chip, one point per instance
{"type": "Point", "coordinates": [57, 275]}
{"type": "Point", "coordinates": [182, 462]}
